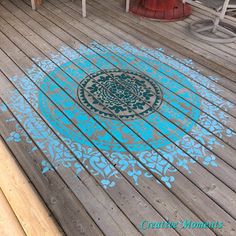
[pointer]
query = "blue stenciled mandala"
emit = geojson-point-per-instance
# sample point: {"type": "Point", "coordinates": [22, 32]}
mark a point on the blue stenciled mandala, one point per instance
{"type": "Point", "coordinates": [175, 132]}
{"type": "Point", "coordinates": [69, 103]}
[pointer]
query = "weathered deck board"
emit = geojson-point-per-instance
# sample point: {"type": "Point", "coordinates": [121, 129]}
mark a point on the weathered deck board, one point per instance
{"type": "Point", "coordinates": [7, 217]}
{"type": "Point", "coordinates": [162, 201]}
{"type": "Point", "coordinates": [76, 187]}
{"type": "Point", "coordinates": [26, 46]}
{"type": "Point", "coordinates": [228, 19]}
{"type": "Point", "coordinates": [26, 212]}
{"type": "Point", "coordinates": [142, 212]}
{"type": "Point", "coordinates": [228, 94]}
{"type": "Point", "coordinates": [27, 36]}
{"type": "Point", "coordinates": [230, 154]}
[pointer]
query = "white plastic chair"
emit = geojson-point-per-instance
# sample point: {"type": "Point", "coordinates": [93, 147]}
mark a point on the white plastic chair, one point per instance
{"type": "Point", "coordinates": [207, 29]}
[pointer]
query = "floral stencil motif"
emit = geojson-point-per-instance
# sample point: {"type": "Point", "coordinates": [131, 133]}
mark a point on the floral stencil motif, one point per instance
{"type": "Point", "coordinates": [125, 93]}
{"type": "Point", "coordinates": [182, 131]}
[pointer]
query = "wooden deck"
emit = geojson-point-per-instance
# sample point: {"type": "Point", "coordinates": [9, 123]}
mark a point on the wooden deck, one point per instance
{"type": "Point", "coordinates": [119, 121]}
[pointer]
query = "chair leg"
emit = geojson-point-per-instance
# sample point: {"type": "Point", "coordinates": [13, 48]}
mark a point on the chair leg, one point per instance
{"type": "Point", "coordinates": [127, 5]}
{"type": "Point", "coordinates": [33, 4]}
{"type": "Point", "coordinates": [84, 8]}
{"type": "Point", "coordinates": [221, 16]}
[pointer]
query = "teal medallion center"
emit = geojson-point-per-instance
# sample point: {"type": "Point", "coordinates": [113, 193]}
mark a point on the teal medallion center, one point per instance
{"type": "Point", "coordinates": [119, 94]}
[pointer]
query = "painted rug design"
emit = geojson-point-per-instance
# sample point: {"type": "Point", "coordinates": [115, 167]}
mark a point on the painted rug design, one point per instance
{"type": "Point", "coordinates": [120, 108]}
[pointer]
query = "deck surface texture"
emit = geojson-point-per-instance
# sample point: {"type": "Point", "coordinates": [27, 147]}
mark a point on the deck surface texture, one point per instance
{"type": "Point", "coordinates": [22, 211]}
{"type": "Point", "coordinates": [118, 120]}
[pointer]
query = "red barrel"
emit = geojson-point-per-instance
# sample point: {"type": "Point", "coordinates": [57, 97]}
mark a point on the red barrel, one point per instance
{"type": "Point", "coordinates": [156, 5]}
{"type": "Point", "coordinates": [163, 10]}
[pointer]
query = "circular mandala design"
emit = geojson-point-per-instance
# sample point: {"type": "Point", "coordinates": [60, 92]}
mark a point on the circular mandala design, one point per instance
{"type": "Point", "coordinates": [120, 94]}
{"type": "Point", "coordinates": [67, 88]}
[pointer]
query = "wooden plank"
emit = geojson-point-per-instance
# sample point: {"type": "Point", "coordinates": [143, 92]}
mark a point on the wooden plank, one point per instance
{"type": "Point", "coordinates": [203, 15]}
{"type": "Point", "coordinates": [232, 46]}
{"type": "Point", "coordinates": [9, 224]}
{"type": "Point", "coordinates": [220, 149]}
{"type": "Point", "coordinates": [94, 206]}
{"type": "Point", "coordinates": [29, 209]}
{"type": "Point", "coordinates": [11, 47]}
{"type": "Point", "coordinates": [21, 57]}
{"type": "Point", "coordinates": [227, 19]}
{"type": "Point", "coordinates": [207, 217]}
{"type": "Point", "coordinates": [223, 83]}
{"type": "Point", "coordinates": [183, 28]}
{"type": "Point", "coordinates": [99, 10]}
{"type": "Point", "coordinates": [34, 40]}
{"type": "Point", "coordinates": [177, 212]}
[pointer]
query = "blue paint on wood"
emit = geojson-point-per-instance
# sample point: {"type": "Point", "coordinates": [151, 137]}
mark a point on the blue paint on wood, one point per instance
{"type": "Point", "coordinates": [119, 130]}
{"type": "Point", "coordinates": [145, 61]}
